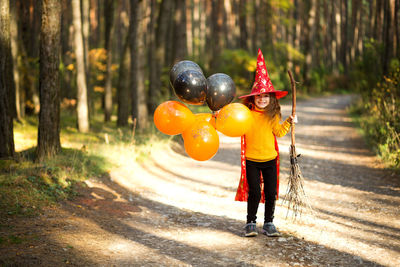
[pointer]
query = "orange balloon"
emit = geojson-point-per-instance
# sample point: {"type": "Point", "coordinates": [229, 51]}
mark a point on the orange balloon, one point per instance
{"type": "Point", "coordinates": [205, 117]}
{"type": "Point", "coordinates": [201, 141]}
{"type": "Point", "coordinates": [234, 120]}
{"type": "Point", "coordinates": [173, 117]}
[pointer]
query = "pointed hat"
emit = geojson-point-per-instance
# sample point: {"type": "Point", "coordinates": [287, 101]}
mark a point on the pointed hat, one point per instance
{"type": "Point", "coordinates": [262, 83]}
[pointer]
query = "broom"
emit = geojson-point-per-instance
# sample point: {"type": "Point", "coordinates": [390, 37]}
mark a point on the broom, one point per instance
{"type": "Point", "coordinates": [295, 196]}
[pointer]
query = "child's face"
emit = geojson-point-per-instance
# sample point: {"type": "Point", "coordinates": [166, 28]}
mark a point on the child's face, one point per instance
{"type": "Point", "coordinates": [262, 101]}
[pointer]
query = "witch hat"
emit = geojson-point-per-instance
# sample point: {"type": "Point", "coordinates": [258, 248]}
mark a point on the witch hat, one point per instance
{"type": "Point", "coordinates": [262, 83]}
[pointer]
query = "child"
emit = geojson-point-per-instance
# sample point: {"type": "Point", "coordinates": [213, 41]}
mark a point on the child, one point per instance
{"type": "Point", "coordinates": [259, 181]}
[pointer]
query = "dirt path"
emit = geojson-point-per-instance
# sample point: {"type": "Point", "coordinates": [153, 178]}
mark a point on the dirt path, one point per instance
{"type": "Point", "coordinates": [174, 211]}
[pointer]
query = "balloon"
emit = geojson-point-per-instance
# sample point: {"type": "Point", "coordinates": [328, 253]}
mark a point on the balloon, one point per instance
{"type": "Point", "coordinates": [173, 117]}
{"type": "Point", "coordinates": [201, 141]}
{"type": "Point", "coordinates": [205, 117]}
{"type": "Point", "coordinates": [190, 86]}
{"type": "Point", "coordinates": [234, 120]}
{"type": "Point", "coordinates": [182, 66]}
{"type": "Point", "coordinates": [221, 90]}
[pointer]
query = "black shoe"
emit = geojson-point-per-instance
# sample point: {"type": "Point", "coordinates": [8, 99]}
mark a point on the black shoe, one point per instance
{"type": "Point", "coordinates": [251, 230]}
{"type": "Point", "coordinates": [269, 229]}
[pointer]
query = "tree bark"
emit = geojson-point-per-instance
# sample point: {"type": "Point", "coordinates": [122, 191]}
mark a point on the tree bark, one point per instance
{"type": "Point", "coordinates": [344, 31]}
{"type": "Point", "coordinates": [85, 34]}
{"type": "Point", "coordinates": [109, 30]}
{"type": "Point", "coordinates": [388, 35]}
{"type": "Point", "coordinates": [170, 42]}
{"type": "Point", "coordinates": [49, 81]}
{"type": "Point", "coordinates": [243, 25]}
{"type": "Point", "coordinates": [216, 33]}
{"type": "Point", "coordinates": [94, 22]}
{"type": "Point", "coordinates": [30, 28]}
{"type": "Point", "coordinates": [123, 85]}
{"type": "Point", "coordinates": [229, 25]}
{"type": "Point", "coordinates": [139, 107]}
{"type": "Point", "coordinates": [180, 36]}
{"type": "Point", "coordinates": [6, 121]}
{"type": "Point", "coordinates": [338, 42]}
{"type": "Point", "coordinates": [396, 29]}
{"type": "Point", "coordinates": [15, 53]}
{"type": "Point", "coordinates": [82, 103]}
{"type": "Point", "coordinates": [154, 85]}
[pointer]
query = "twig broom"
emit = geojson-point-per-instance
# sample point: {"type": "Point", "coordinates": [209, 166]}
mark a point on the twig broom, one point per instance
{"type": "Point", "coordinates": [295, 196]}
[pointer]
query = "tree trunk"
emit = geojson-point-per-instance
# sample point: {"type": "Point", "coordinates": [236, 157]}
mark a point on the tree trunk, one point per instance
{"type": "Point", "coordinates": [139, 107]}
{"type": "Point", "coordinates": [396, 29]}
{"type": "Point", "coordinates": [49, 81]}
{"type": "Point", "coordinates": [180, 36]}
{"type": "Point", "coordinates": [338, 22]}
{"type": "Point", "coordinates": [344, 31]}
{"type": "Point", "coordinates": [216, 33]}
{"type": "Point", "coordinates": [298, 6]}
{"type": "Point", "coordinates": [154, 85]}
{"type": "Point", "coordinates": [371, 21]}
{"type": "Point", "coordinates": [306, 43]}
{"type": "Point", "coordinates": [255, 40]}
{"type": "Point", "coordinates": [360, 31]}
{"type": "Point", "coordinates": [109, 30]}
{"type": "Point", "coordinates": [6, 121]}
{"type": "Point", "coordinates": [378, 21]}
{"type": "Point", "coordinates": [388, 35]}
{"type": "Point", "coordinates": [94, 22]}
{"type": "Point", "coordinates": [170, 42]}
{"type": "Point", "coordinates": [312, 56]}
{"type": "Point", "coordinates": [189, 26]}
{"type": "Point", "coordinates": [326, 34]}
{"type": "Point", "coordinates": [85, 34]}
{"type": "Point", "coordinates": [229, 25]}
{"type": "Point", "coordinates": [82, 103]}
{"type": "Point", "coordinates": [196, 29]}
{"type": "Point", "coordinates": [30, 28]}
{"type": "Point", "coordinates": [15, 53]}
{"type": "Point", "coordinates": [123, 84]}
{"type": "Point", "coordinates": [161, 39]}
{"type": "Point", "coordinates": [243, 25]}
{"type": "Point", "coordinates": [353, 31]}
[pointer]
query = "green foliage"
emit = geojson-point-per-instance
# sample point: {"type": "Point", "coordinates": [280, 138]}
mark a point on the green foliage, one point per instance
{"type": "Point", "coordinates": [240, 66]}
{"type": "Point", "coordinates": [367, 70]}
{"type": "Point", "coordinates": [380, 116]}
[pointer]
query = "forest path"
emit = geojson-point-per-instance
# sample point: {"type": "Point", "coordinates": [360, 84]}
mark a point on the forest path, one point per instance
{"type": "Point", "coordinates": [175, 211]}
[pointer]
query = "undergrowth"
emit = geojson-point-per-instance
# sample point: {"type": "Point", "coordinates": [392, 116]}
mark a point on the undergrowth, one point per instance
{"type": "Point", "coordinates": [26, 186]}
{"type": "Point", "coordinates": [378, 115]}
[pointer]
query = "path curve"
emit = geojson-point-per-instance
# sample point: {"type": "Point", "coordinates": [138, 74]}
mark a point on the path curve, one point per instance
{"type": "Point", "coordinates": [175, 211]}
{"type": "Point", "coordinates": [192, 219]}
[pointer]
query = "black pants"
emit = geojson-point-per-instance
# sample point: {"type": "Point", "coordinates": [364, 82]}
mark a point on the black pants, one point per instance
{"type": "Point", "coordinates": [268, 170]}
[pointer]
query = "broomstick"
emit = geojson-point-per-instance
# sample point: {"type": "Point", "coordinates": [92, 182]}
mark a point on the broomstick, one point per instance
{"type": "Point", "coordinates": [295, 196]}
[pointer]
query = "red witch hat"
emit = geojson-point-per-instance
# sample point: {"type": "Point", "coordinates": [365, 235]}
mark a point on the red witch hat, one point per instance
{"type": "Point", "coordinates": [262, 83]}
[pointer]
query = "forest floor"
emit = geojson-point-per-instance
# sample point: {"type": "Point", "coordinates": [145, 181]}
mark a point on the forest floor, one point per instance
{"type": "Point", "coordinates": [174, 211]}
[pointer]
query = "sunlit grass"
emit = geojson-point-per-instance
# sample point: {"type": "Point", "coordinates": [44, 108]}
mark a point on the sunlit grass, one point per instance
{"type": "Point", "coordinates": [26, 186]}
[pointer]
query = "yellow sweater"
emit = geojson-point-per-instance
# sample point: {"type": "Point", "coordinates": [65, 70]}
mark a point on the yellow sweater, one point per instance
{"type": "Point", "coordinates": [260, 141]}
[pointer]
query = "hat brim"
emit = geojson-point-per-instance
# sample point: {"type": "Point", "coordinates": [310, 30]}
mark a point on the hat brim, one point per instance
{"type": "Point", "coordinates": [279, 94]}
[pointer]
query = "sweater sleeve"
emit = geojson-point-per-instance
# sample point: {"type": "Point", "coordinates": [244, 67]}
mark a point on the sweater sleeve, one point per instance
{"type": "Point", "coordinates": [278, 129]}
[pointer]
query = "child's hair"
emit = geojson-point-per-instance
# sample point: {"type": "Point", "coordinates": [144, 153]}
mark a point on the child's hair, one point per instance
{"type": "Point", "coordinates": [273, 109]}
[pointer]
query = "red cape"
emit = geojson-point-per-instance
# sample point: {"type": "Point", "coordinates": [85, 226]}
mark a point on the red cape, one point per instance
{"type": "Point", "coordinates": [243, 189]}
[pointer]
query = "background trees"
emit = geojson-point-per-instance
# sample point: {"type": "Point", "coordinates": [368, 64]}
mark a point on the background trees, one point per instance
{"type": "Point", "coordinates": [116, 55]}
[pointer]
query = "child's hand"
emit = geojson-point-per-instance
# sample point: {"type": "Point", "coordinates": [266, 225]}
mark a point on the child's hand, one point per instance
{"type": "Point", "coordinates": [292, 119]}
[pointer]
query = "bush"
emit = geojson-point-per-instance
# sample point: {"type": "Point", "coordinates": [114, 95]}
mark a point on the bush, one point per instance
{"type": "Point", "coordinates": [381, 116]}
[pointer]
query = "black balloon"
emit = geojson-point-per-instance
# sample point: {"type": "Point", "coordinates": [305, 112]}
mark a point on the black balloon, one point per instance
{"type": "Point", "coordinates": [191, 87]}
{"type": "Point", "coordinates": [182, 66]}
{"type": "Point", "coordinates": [221, 90]}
